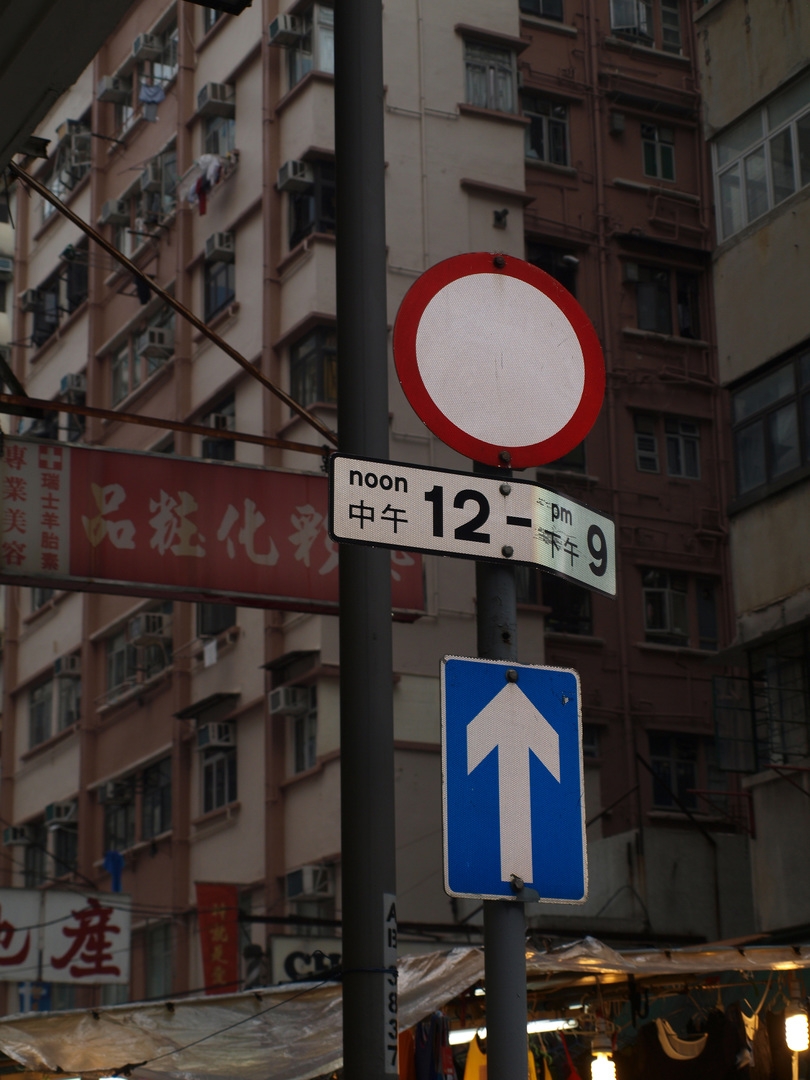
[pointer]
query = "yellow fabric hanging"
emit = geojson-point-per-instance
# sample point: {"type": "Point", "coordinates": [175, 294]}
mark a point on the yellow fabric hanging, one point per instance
{"type": "Point", "coordinates": [476, 1067]}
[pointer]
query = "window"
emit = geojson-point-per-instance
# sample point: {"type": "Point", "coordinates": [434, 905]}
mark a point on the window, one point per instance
{"type": "Point", "coordinates": [159, 964]}
{"type": "Point", "coordinates": [3, 300]}
{"type": "Point", "coordinates": [491, 76]}
{"type": "Point", "coordinates": [122, 665]}
{"type": "Point", "coordinates": [5, 213]}
{"type": "Point", "coordinates": [305, 734]}
{"type": "Point", "coordinates": [674, 761]}
{"type": "Point", "coordinates": [667, 301]}
{"type": "Point", "coordinates": [558, 262]}
{"type": "Point", "coordinates": [219, 135]}
{"type": "Point", "coordinates": [215, 619]}
{"type": "Point", "coordinates": [683, 447]}
{"type": "Point", "coordinates": [124, 111]}
{"type": "Point", "coordinates": [708, 633]}
{"type": "Point", "coordinates": [634, 20]}
{"type": "Point", "coordinates": [590, 740]}
{"type": "Point", "coordinates": [68, 701]}
{"type": "Point", "coordinates": [156, 807]}
{"type": "Point", "coordinates": [119, 816]}
{"type": "Point", "coordinates": [60, 294]}
{"type": "Point", "coordinates": [71, 161]}
{"type": "Point", "coordinates": [40, 595]}
{"type": "Point", "coordinates": [646, 443]}
{"type": "Point", "coordinates": [65, 848]}
{"type": "Point", "coordinates": [313, 367]}
{"type": "Point", "coordinates": [314, 210]}
{"type": "Point", "coordinates": [547, 133]}
{"type": "Point", "coordinates": [40, 713]}
{"type": "Point", "coordinates": [771, 424]}
{"type": "Point", "coordinates": [658, 149]}
{"type": "Point", "coordinates": [570, 606]}
{"type": "Point", "coordinates": [573, 461]}
{"type": "Point", "coordinates": [666, 607]}
{"type": "Point", "coordinates": [164, 68]}
{"type": "Point", "coordinates": [548, 9]}
{"type": "Point", "coordinates": [222, 418]}
{"type": "Point", "coordinates": [219, 282]}
{"type": "Point", "coordinates": [142, 353]}
{"type": "Point", "coordinates": [47, 310]}
{"type": "Point", "coordinates": [671, 26]}
{"type": "Point", "coordinates": [218, 777]}
{"type": "Point", "coordinates": [210, 18]}
{"type": "Point", "coordinates": [34, 856]}
{"type": "Point", "coordinates": [763, 158]}
{"type": "Point", "coordinates": [150, 207]}
{"type": "Point", "coordinates": [316, 48]}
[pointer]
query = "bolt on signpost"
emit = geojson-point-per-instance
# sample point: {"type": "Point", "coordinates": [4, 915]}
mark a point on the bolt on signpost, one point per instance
{"type": "Point", "coordinates": [534, 373]}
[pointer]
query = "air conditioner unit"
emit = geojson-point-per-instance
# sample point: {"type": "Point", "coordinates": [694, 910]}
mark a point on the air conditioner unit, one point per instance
{"type": "Point", "coordinates": [147, 47]}
{"type": "Point", "coordinates": [73, 384]}
{"type": "Point", "coordinates": [148, 628]}
{"type": "Point", "coordinates": [30, 300]}
{"type": "Point", "coordinates": [152, 177]}
{"type": "Point", "coordinates": [113, 88]}
{"type": "Point", "coordinates": [295, 176]}
{"type": "Point", "coordinates": [70, 665]}
{"type": "Point", "coordinates": [6, 269]}
{"type": "Point", "coordinates": [288, 700]}
{"type": "Point", "coordinates": [310, 882]}
{"type": "Point", "coordinates": [16, 834]}
{"type": "Point", "coordinates": [159, 343]}
{"type": "Point", "coordinates": [221, 421]}
{"type": "Point", "coordinates": [68, 128]}
{"type": "Point", "coordinates": [216, 99]}
{"type": "Point", "coordinates": [115, 212]}
{"type": "Point", "coordinates": [219, 247]}
{"type": "Point", "coordinates": [114, 791]}
{"type": "Point", "coordinates": [215, 734]}
{"type": "Point", "coordinates": [286, 30]}
{"type": "Point", "coordinates": [57, 813]}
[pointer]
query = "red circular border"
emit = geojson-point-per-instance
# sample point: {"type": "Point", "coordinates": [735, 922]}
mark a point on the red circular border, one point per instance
{"type": "Point", "coordinates": [406, 327]}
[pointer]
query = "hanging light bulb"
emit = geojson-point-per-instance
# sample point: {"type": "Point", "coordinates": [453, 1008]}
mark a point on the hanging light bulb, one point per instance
{"type": "Point", "coordinates": [797, 1033]}
{"type": "Point", "coordinates": [603, 1066]}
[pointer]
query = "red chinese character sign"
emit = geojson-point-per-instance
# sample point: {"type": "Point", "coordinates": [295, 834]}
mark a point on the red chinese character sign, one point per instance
{"type": "Point", "coordinates": [499, 360]}
{"type": "Point", "coordinates": [64, 937]}
{"type": "Point", "coordinates": [154, 525]}
{"type": "Point", "coordinates": [218, 916]}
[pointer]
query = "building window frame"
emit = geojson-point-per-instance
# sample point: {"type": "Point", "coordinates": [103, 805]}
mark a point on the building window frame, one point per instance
{"type": "Point", "coordinates": [667, 299]}
{"type": "Point", "coordinates": [658, 151]}
{"type": "Point", "coordinates": [221, 418]}
{"type": "Point", "coordinates": [656, 26]}
{"type": "Point", "coordinates": [313, 367]}
{"type": "Point", "coordinates": [218, 768]}
{"type": "Point", "coordinates": [762, 159]}
{"type": "Point", "coordinates": [40, 713]}
{"type": "Point", "coordinates": [316, 50]}
{"type": "Point", "coordinates": [490, 76]}
{"type": "Point", "coordinates": [770, 424]}
{"type": "Point", "coordinates": [571, 608]}
{"type": "Point", "coordinates": [219, 287]}
{"type": "Point", "coordinates": [156, 799]}
{"type": "Point", "coordinates": [666, 606]}
{"type": "Point", "coordinates": [304, 734]}
{"type": "Point", "coordinates": [120, 817]}
{"type": "Point", "coordinates": [313, 210]}
{"type": "Point", "coordinates": [547, 134]}
{"type": "Point", "coordinates": [544, 9]}
{"type": "Point", "coordinates": [675, 760]}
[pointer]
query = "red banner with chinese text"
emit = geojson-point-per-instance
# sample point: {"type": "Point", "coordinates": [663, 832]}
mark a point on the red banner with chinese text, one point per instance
{"type": "Point", "coordinates": [218, 915]}
{"type": "Point", "coordinates": [177, 528]}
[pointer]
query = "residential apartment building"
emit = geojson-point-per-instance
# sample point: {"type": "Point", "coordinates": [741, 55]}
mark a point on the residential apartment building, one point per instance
{"type": "Point", "coordinates": [565, 131]}
{"type": "Point", "coordinates": [755, 78]}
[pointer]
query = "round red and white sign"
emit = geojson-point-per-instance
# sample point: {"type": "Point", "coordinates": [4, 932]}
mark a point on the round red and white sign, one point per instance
{"type": "Point", "coordinates": [499, 360]}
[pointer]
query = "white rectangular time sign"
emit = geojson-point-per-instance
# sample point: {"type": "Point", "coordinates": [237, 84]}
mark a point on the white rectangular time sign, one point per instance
{"type": "Point", "coordinates": [443, 512]}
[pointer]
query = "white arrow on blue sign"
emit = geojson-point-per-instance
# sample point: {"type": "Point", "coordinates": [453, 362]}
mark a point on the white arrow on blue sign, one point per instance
{"type": "Point", "coordinates": [513, 788]}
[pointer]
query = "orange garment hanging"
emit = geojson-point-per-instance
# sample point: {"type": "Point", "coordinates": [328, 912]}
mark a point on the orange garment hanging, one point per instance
{"type": "Point", "coordinates": [476, 1067]}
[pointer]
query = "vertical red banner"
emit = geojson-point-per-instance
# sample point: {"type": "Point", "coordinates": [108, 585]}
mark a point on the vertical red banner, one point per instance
{"type": "Point", "coordinates": [218, 914]}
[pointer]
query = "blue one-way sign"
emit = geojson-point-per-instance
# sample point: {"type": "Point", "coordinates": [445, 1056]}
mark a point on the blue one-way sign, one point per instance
{"type": "Point", "coordinates": [512, 774]}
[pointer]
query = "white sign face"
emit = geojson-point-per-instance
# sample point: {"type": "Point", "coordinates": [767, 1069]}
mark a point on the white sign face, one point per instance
{"type": "Point", "coordinates": [64, 937]}
{"type": "Point", "coordinates": [389, 504]}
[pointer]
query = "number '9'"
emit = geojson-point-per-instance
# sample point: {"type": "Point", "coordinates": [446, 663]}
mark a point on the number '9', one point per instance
{"type": "Point", "coordinates": [597, 545]}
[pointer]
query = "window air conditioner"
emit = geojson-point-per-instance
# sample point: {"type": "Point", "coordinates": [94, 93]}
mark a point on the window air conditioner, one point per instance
{"type": "Point", "coordinates": [30, 300]}
{"type": "Point", "coordinates": [57, 813]}
{"type": "Point", "coordinates": [68, 665]}
{"type": "Point", "coordinates": [74, 384]}
{"type": "Point", "coordinates": [16, 834]}
{"type": "Point", "coordinates": [115, 212]}
{"type": "Point", "coordinates": [295, 176]}
{"type": "Point", "coordinates": [288, 700]}
{"type": "Point", "coordinates": [286, 30]}
{"type": "Point", "coordinates": [148, 628]}
{"type": "Point", "coordinates": [147, 47]}
{"type": "Point", "coordinates": [219, 247]}
{"type": "Point", "coordinates": [113, 88]}
{"type": "Point", "coordinates": [114, 791]}
{"type": "Point", "coordinates": [6, 269]}
{"type": "Point", "coordinates": [152, 176]}
{"type": "Point", "coordinates": [216, 99]}
{"type": "Point", "coordinates": [159, 343]}
{"type": "Point", "coordinates": [212, 735]}
{"type": "Point", "coordinates": [221, 421]}
{"type": "Point", "coordinates": [310, 882]}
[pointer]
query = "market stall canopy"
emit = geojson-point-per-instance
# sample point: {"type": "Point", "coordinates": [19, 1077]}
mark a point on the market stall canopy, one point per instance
{"type": "Point", "coordinates": [293, 1032]}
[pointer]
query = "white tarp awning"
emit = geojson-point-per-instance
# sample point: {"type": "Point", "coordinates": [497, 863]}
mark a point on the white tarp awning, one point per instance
{"type": "Point", "coordinates": [294, 1032]}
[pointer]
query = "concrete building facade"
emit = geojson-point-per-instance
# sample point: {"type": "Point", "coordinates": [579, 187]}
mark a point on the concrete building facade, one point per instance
{"type": "Point", "coordinates": [755, 79]}
{"type": "Point", "coordinates": [565, 131]}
